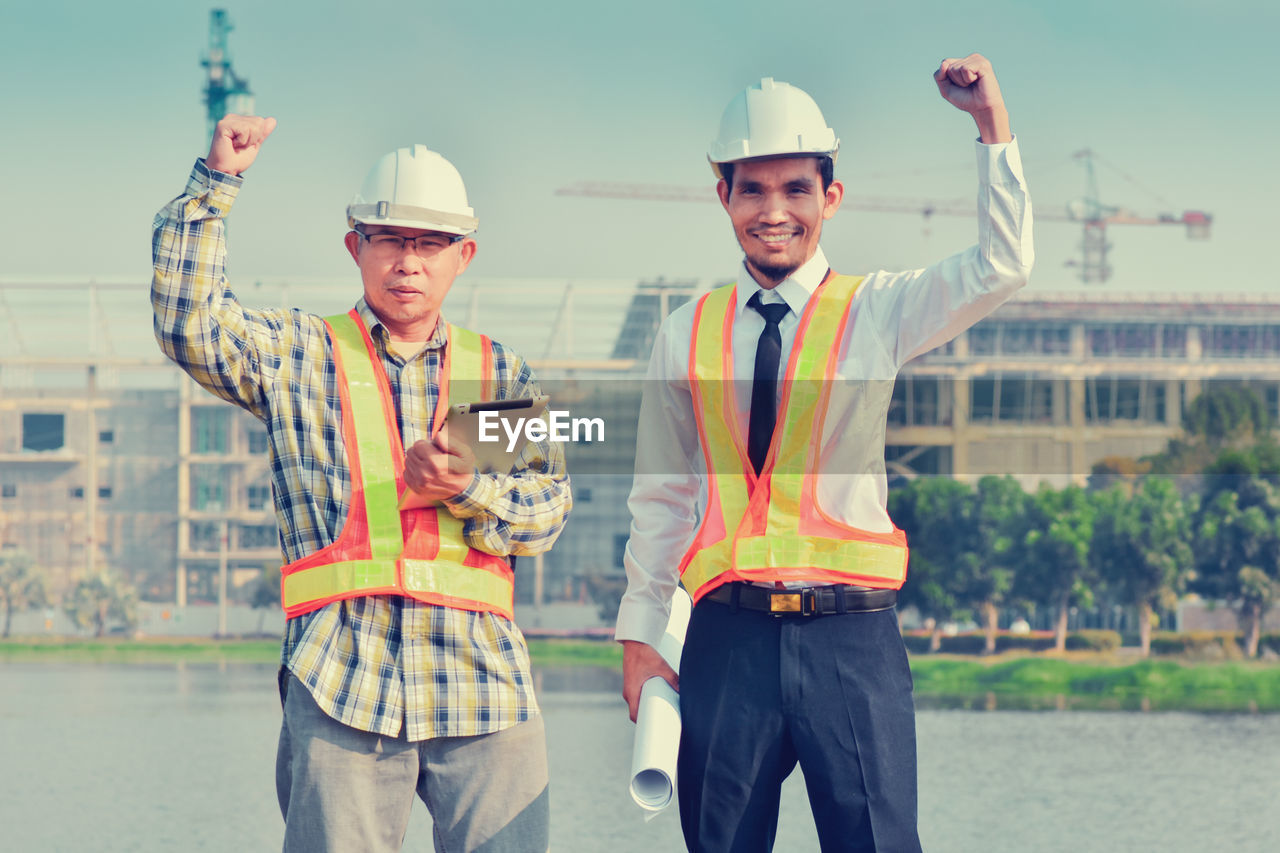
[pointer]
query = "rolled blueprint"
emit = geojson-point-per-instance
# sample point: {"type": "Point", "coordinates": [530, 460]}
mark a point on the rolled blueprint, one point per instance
{"type": "Point", "coordinates": [653, 759]}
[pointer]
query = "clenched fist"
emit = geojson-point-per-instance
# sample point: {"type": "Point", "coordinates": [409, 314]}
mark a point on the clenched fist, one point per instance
{"type": "Point", "coordinates": [970, 84]}
{"type": "Point", "coordinates": [236, 142]}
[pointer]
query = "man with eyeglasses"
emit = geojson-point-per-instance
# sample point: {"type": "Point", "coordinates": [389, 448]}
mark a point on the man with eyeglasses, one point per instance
{"type": "Point", "coordinates": [402, 670]}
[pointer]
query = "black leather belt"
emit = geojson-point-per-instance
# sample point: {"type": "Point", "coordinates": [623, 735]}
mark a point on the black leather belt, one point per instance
{"type": "Point", "coordinates": [810, 601]}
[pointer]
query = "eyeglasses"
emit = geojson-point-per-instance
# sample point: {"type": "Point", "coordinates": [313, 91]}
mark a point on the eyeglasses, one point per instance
{"type": "Point", "coordinates": [424, 245]}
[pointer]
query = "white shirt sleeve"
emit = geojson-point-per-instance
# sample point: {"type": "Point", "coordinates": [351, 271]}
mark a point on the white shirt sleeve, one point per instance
{"type": "Point", "coordinates": [666, 491]}
{"type": "Point", "coordinates": [919, 310]}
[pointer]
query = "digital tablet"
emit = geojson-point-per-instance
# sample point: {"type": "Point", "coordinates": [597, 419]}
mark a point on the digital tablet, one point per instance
{"type": "Point", "coordinates": [495, 432]}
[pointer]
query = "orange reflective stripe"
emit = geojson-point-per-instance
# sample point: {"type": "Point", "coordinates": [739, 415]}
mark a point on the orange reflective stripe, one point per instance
{"type": "Point", "coordinates": [778, 531]}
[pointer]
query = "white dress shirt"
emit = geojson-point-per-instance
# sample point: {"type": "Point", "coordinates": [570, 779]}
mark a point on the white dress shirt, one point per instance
{"type": "Point", "coordinates": [894, 318]}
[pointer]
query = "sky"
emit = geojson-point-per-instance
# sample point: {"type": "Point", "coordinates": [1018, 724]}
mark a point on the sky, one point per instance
{"type": "Point", "coordinates": [103, 118]}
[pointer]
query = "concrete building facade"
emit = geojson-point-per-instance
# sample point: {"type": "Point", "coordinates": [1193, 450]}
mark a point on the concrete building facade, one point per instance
{"type": "Point", "coordinates": [110, 458]}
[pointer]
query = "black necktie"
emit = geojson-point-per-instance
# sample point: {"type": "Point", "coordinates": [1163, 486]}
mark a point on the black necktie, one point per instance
{"type": "Point", "coordinates": [764, 385]}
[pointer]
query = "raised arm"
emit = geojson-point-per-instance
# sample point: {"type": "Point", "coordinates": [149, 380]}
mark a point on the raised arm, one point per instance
{"type": "Point", "coordinates": [922, 309]}
{"type": "Point", "coordinates": [198, 321]}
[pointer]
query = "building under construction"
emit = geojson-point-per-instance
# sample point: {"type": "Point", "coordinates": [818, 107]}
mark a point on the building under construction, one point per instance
{"type": "Point", "coordinates": [111, 458]}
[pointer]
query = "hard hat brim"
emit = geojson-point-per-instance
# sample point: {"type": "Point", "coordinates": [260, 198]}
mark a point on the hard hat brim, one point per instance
{"type": "Point", "coordinates": [781, 155]}
{"type": "Point", "coordinates": [409, 216]}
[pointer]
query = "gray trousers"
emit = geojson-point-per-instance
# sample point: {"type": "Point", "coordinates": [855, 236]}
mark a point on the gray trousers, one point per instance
{"type": "Point", "coordinates": [342, 789]}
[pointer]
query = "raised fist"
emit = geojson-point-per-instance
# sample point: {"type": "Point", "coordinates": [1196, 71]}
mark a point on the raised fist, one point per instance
{"type": "Point", "coordinates": [236, 141]}
{"type": "Point", "coordinates": [969, 83]}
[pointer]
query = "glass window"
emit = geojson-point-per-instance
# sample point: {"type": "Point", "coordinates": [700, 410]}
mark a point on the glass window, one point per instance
{"type": "Point", "coordinates": [258, 441]}
{"type": "Point", "coordinates": [42, 431]}
{"type": "Point", "coordinates": [258, 536]}
{"type": "Point", "coordinates": [260, 495]}
{"type": "Point", "coordinates": [205, 535]}
{"type": "Point", "coordinates": [207, 488]}
{"type": "Point", "coordinates": [210, 430]}
{"type": "Point", "coordinates": [1174, 342]}
{"type": "Point", "coordinates": [982, 339]}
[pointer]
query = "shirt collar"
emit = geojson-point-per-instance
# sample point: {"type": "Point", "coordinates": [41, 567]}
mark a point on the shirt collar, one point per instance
{"type": "Point", "coordinates": [795, 289]}
{"type": "Point", "coordinates": [379, 334]}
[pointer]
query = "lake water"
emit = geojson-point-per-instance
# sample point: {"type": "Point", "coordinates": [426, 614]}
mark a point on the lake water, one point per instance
{"type": "Point", "coordinates": [181, 758]}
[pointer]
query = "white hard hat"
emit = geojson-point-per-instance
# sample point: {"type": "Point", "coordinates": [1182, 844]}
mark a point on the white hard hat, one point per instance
{"type": "Point", "coordinates": [769, 120]}
{"type": "Point", "coordinates": [413, 188]}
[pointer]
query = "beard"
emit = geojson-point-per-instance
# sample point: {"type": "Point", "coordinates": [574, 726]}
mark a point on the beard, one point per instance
{"type": "Point", "coordinates": [773, 272]}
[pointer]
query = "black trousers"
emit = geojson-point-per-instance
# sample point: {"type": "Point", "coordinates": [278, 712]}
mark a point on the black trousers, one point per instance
{"type": "Point", "coordinates": [759, 694]}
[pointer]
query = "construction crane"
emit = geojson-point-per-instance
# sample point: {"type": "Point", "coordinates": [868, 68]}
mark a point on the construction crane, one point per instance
{"type": "Point", "coordinates": [225, 92]}
{"type": "Point", "coordinates": [1089, 212]}
{"type": "Point", "coordinates": [1095, 217]}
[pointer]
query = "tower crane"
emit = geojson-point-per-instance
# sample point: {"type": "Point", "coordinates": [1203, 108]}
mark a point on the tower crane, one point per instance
{"type": "Point", "coordinates": [1088, 212]}
{"type": "Point", "coordinates": [225, 91]}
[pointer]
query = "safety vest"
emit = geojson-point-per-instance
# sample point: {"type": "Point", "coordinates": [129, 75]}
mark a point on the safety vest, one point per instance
{"type": "Point", "coordinates": [418, 553]}
{"type": "Point", "coordinates": [770, 527]}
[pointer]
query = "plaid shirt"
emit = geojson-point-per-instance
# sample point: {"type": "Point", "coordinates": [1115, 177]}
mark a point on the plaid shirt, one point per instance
{"type": "Point", "coordinates": [375, 661]}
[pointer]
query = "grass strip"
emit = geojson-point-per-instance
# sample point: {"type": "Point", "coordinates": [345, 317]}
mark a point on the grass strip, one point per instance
{"type": "Point", "coordinates": [1149, 684]}
{"type": "Point", "coordinates": [140, 651]}
{"type": "Point", "coordinates": [1083, 680]}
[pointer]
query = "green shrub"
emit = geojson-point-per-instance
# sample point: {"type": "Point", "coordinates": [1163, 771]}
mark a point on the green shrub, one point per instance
{"type": "Point", "coordinates": [917, 644]}
{"type": "Point", "coordinates": [964, 644]}
{"type": "Point", "coordinates": [1198, 645]}
{"type": "Point", "coordinates": [1023, 643]}
{"type": "Point", "coordinates": [1093, 641]}
{"type": "Point", "coordinates": [974, 643]}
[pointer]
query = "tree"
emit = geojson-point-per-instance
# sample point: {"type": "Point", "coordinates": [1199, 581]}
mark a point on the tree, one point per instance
{"type": "Point", "coordinates": [1117, 470]}
{"type": "Point", "coordinates": [1141, 547]}
{"type": "Point", "coordinates": [1055, 569]}
{"type": "Point", "coordinates": [962, 547]}
{"type": "Point", "coordinates": [1224, 417]}
{"type": "Point", "coordinates": [101, 601]}
{"type": "Point", "coordinates": [21, 586]}
{"type": "Point", "coordinates": [1237, 543]}
{"type": "Point", "coordinates": [1000, 519]}
{"type": "Point", "coordinates": [606, 589]}
{"type": "Point", "coordinates": [935, 513]}
{"type": "Point", "coordinates": [1227, 415]}
{"type": "Point", "coordinates": [265, 595]}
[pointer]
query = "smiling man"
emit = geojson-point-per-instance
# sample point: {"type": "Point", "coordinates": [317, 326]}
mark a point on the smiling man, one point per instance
{"type": "Point", "coordinates": [402, 671]}
{"type": "Point", "coordinates": [769, 505]}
